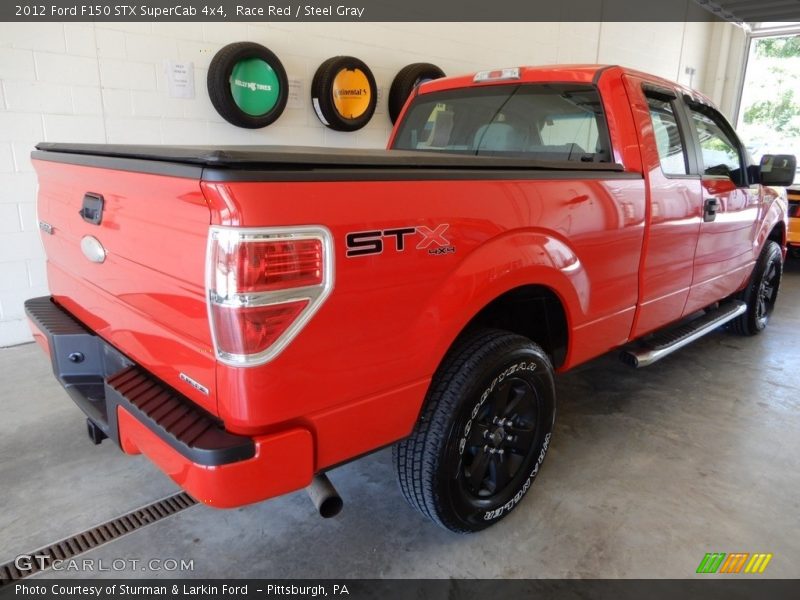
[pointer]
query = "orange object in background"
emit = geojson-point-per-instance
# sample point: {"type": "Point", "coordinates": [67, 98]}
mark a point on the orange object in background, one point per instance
{"type": "Point", "coordinates": [793, 233]}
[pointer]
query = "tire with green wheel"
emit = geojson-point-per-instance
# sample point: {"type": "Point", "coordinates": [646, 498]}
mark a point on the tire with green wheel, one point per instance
{"type": "Point", "coordinates": [483, 433]}
{"type": "Point", "coordinates": [762, 291]}
{"type": "Point", "coordinates": [247, 84]}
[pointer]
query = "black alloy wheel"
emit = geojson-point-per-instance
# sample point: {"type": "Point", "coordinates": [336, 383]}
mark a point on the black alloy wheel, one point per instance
{"type": "Point", "coordinates": [483, 432]}
{"type": "Point", "coordinates": [767, 293]}
{"type": "Point", "coordinates": [500, 439]}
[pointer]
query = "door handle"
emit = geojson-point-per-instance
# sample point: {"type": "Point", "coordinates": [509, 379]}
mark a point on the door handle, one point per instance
{"type": "Point", "coordinates": [710, 208]}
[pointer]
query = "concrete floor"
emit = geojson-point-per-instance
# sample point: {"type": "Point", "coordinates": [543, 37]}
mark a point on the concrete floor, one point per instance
{"type": "Point", "coordinates": [648, 471]}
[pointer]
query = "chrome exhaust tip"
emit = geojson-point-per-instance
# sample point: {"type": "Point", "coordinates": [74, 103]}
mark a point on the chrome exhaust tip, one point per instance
{"type": "Point", "coordinates": [324, 496]}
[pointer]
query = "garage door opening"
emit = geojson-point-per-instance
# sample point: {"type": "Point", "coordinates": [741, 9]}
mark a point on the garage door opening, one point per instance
{"type": "Point", "coordinates": [769, 109]}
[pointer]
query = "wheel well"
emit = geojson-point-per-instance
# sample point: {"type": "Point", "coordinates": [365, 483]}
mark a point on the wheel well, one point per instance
{"type": "Point", "coordinates": [532, 311]}
{"type": "Point", "coordinates": [778, 234]}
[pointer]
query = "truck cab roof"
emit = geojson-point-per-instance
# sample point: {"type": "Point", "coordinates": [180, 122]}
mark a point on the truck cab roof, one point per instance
{"type": "Point", "coordinates": [577, 73]}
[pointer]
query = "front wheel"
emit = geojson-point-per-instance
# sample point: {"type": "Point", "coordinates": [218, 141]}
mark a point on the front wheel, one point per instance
{"type": "Point", "coordinates": [762, 291]}
{"type": "Point", "coordinates": [483, 432]}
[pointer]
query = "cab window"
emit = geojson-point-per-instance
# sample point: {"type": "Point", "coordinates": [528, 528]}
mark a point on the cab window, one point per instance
{"type": "Point", "coordinates": [720, 151]}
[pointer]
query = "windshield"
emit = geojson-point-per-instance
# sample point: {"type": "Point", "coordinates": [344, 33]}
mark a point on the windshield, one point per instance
{"type": "Point", "coordinates": [555, 122]}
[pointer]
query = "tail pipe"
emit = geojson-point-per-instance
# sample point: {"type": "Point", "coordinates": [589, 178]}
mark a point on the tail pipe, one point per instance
{"type": "Point", "coordinates": [324, 496]}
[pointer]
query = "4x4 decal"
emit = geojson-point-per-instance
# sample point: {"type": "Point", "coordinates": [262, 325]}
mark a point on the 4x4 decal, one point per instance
{"type": "Point", "coordinates": [365, 243]}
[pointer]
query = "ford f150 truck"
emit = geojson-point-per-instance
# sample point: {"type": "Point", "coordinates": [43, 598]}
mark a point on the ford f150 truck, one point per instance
{"type": "Point", "coordinates": [250, 317]}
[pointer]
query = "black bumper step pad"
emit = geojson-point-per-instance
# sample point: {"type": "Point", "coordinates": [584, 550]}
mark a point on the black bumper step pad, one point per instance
{"type": "Point", "coordinates": [104, 379]}
{"type": "Point", "coordinates": [186, 427]}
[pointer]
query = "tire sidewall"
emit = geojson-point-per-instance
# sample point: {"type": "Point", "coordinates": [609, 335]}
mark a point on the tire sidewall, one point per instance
{"type": "Point", "coordinates": [218, 83]}
{"type": "Point", "coordinates": [523, 362]}
{"type": "Point", "coordinates": [771, 253]}
{"type": "Point", "coordinates": [406, 81]}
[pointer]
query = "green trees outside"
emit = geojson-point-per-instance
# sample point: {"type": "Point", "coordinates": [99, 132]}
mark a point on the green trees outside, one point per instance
{"type": "Point", "coordinates": [778, 47]}
{"type": "Point", "coordinates": [779, 114]}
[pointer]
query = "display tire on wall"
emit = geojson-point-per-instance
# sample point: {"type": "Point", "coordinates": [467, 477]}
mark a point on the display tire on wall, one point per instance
{"type": "Point", "coordinates": [408, 78]}
{"type": "Point", "coordinates": [483, 432]}
{"type": "Point", "coordinates": [762, 291]}
{"type": "Point", "coordinates": [343, 93]}
{"type": "Point", "coordinates": [251, 106]}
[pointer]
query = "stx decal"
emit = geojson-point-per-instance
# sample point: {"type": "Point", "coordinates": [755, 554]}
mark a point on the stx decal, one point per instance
{"type": "Point", "coordinates": [363, 243]}
{"type": "Point", "coordinates": [432, 237]}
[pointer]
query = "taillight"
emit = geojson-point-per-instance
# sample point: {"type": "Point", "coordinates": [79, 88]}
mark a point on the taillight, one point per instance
{"type": "Point", "coordinates": [263, 286]}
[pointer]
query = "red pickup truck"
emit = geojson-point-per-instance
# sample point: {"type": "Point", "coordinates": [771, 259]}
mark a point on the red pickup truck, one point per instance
{"type": "Point", "coordinates": [249, 318]}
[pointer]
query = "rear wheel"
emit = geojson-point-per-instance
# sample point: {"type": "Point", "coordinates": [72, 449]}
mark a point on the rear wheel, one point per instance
{"type": "Point", "coordinates": [762, 291]}
{"type": "Point", "coordinates": [483, 433]}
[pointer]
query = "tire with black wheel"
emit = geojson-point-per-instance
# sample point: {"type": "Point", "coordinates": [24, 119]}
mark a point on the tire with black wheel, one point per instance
{"type": "Point", "coordinates": [762, 291]}
{"type": "Point", "coordinates": [260, 102]}
{"type": "Point", "coordinates": [483, 432]}
{"type": "Point", "coordinates": [344, 93]}
{"type": "Point", "coordinates": [408, 78]}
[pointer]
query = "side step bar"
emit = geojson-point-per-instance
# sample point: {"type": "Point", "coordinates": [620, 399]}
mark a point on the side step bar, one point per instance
{"type": "Point", "coordinates": [668, 341]}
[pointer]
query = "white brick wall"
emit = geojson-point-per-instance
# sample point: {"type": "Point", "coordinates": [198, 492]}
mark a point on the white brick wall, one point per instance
{"type": "Point", "coordinates": [104, 82]}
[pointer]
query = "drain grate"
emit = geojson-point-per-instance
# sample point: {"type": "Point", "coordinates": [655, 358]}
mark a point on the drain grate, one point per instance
{"type": "Point", "coordinates": [97, 536]}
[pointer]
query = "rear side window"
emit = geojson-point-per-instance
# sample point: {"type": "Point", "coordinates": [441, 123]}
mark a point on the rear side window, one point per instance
{"type": "Point", "coordinates": [556, 122]}
{"type": "Point", "coordinates": [671, 149]}
{"type": "Point", "coordinates": [719, 150]}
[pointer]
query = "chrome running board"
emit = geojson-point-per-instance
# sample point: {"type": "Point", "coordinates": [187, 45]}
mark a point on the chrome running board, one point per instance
{"type": "Point", "coordinates": [669, 340]}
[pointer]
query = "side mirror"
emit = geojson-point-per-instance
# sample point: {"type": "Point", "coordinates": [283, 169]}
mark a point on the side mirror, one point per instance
{"type": "Point", "coordinates": [777, 169]}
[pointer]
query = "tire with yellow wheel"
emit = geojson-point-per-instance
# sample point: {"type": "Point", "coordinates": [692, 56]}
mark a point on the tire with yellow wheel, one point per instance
{"type": "Point", "coordinates": [344, 93]}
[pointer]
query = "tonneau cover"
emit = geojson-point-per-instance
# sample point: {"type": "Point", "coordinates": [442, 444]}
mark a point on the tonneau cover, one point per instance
{"type": "Point", "coordinates": [288, 157]}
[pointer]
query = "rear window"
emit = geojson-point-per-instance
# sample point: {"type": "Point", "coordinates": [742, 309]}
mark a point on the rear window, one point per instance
{"type": "Point", "coordinates": [556, 122]}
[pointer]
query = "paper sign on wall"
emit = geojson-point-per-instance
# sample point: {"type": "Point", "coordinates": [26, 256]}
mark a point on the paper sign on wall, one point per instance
{"type": "Point", "coordinates": [296, 95]}
{"type": "Point", "coordinates": [379, 107]}
{"type": "Point", "coordinates": [180, 79]}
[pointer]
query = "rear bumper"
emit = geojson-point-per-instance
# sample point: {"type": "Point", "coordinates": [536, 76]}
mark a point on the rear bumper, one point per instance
{"type": "Point", "coordinates": [143, 415]}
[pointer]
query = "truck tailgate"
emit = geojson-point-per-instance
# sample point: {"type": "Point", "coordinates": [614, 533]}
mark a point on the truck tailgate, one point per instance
{"type": "Point", "coordinates": [147, 297]}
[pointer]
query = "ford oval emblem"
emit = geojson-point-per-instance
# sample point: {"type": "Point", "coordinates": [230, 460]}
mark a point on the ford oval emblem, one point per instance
{"type": "Point", "coordinates": [93, 249]}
